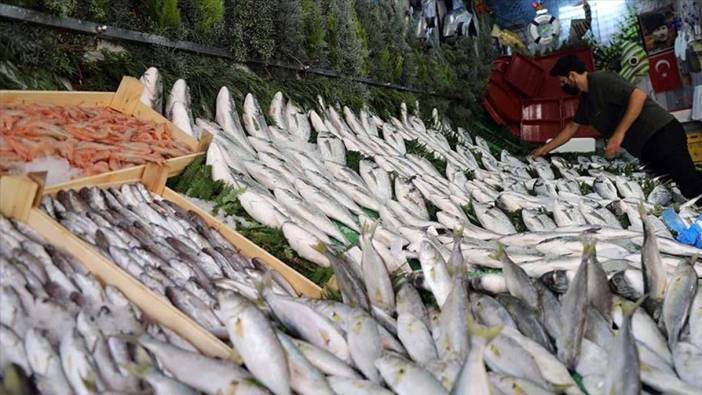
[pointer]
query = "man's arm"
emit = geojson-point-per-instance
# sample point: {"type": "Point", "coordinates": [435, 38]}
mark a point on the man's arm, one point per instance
{"type": "Point", "coordinates": [566, 134]}
{"type": "Point", "coordinates": [633, 109]}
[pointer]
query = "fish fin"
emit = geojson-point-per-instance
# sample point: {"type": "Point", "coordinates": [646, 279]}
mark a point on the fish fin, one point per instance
{"type": "Point", "coordinates": [266, 283]}
{"type": "Point", "coordinates": [690, 202]}
{"type": "Point", "coordinates": [321, 248]}
{"type": "Point", "coordinates": [642, 211]}
{"type": "Point", "coordinates": [560, 388]}
{"type": "Point", "coordinates": [138, 370]}
{"type": "Point", "coordinates": [628, 308]}
{"type": "Point", "coordinates": [458, 234]}
{"type": "Point", "coordinates": [499, 252]}
{"type": "Point", "coordinates": [487, 333]}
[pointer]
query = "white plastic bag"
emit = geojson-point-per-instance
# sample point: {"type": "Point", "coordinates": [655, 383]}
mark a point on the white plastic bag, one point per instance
{"type": "Point", "coordinates": [696, 113]}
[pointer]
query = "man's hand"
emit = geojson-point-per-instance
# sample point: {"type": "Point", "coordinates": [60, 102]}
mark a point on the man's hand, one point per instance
{"type": "Point", "coordinates": [539, 152]}
{"type": "Point", "coordinates": [613, 145]}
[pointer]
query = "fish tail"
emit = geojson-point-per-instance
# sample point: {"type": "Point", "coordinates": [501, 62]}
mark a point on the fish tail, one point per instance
{"type": "Point", "coordinates": [629, 308]}
{"type": "Point", "coordinates": [487, 333]}
{"type": "Point", "coordinates": [369, 228]}
{"type": "Point", "coordinates": [589, 246]}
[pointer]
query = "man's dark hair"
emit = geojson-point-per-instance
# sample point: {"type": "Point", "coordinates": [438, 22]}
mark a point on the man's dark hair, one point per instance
{"type": "Point", "coordinates": [566, 64]}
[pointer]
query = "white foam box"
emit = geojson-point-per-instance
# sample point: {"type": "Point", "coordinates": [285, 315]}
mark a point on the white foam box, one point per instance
{"type": "Point", "coordinates": [577, 144]}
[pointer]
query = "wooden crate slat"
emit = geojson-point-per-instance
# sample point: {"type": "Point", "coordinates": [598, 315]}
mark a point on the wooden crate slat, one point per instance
{"type": "Point", "coordinates": [64, 98]}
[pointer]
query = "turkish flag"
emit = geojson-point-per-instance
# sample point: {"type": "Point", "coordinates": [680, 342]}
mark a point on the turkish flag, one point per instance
{"type": "Point", "coordinates": [663, 69]}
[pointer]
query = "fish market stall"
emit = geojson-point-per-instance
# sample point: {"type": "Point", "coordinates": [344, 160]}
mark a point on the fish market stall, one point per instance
{"type": "Point", "coordinates": [455, 265]}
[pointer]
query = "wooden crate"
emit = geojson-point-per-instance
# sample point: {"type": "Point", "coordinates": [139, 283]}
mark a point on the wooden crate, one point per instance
{"type": "Point", "coordinates": [20, 195]}
{"type": "Point", "coordinates": [694, 145]}
{"type": "Point", "coordinates": [125, 100]}
{"type": "Point", "coordinates": [18, 199]}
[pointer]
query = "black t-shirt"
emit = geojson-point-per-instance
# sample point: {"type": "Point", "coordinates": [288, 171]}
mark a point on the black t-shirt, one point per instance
{"type": "Point", "coordinates": [605, 103]}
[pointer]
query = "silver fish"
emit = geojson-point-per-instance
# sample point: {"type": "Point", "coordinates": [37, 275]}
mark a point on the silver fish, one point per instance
{"type": "Point", "coordinates": [473, 378]}
{"type": "Point", "coordinates": [406, 378]}
{"type": "Point", "coordinates": [573, 312]}
{"type": "Point", "coordinates": [250, 332]}
{"type": "Point", "coordinates": [365, 344]}
{"type": "Point", "coordinates": [304, 376]}
{"type": "Point", "coordinates": [651, 264]}
{"type": "Point", "coordinates": [13, 350]}
{"type": "Point", "coordinates": [518, 282]}
{"type": "Point", "coordinates": [622, 374]}
{"type": "Point", "coordinates": [310, 325]}
{"type": "Point", "coordinates": [205, 374]}
{"type": "Point", "coordinates": [325, 361]}
{"type": "Point", "coordinates": [350, 386]}
{"type": "Point", "coordinates": [688, 362]}
{"type": "Point", "coordinates": [435, 272]}
{"type": "Point", "coordinates": [408, 301]}
{"type": "Point", "coordinates": [678, 297]}
{"type": "Point", "coordinates": [453, 341]}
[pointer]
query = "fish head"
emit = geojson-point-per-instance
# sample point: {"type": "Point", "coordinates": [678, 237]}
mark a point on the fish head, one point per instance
{"type": "Point", "coordinates": [556, 280]}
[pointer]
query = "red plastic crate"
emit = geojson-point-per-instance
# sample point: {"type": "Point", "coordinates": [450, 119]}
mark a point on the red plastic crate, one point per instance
{"type": "Point", "coordinates": [525, 75]}
{"type": "Point", "coordinates": [522, 96]}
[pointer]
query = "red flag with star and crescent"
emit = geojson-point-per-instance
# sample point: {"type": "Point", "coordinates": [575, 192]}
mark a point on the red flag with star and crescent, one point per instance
{"type": "Point", "coordinates": [664, 73]}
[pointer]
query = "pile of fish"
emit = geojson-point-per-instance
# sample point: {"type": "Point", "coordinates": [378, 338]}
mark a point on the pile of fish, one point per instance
{"type": "Point", "coordinates": [170, 250]}
{"type": "Point", "coordinates": [71, 335]}
{"type": "Point", "coordinates": [307, 190]}
{"type": "Point", "coordinates": [92, 139]}
{"type": "Point", "coordinates": [533, 337]}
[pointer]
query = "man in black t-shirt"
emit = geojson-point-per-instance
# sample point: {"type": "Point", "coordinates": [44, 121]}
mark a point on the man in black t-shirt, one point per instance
{"type": "Point", "coordinates": [628, 118]}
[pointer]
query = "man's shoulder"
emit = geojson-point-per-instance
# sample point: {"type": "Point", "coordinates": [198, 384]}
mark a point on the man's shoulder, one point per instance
{"type": "Point", "coordinates": [603, 75]}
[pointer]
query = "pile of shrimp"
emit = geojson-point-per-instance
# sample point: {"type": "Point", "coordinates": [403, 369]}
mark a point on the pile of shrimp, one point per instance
{"type": "Point", "coordinates": [92, 139]}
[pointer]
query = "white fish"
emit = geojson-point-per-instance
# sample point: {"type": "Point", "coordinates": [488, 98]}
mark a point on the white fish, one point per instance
{"type": "Point", "coordinates": [407, 378]}
{"type": "Point", "coordinates": [182, 119]}
{"type": "Point", "coordinates": [275, 110]}
{"type": "Point", "coordinates": [180, 93]}
{"type": "Point", "coordinates": [261, 208]}
{"type": "Point", "coordinates": [297, 121]}
{"type": "Point", "coordinates": [331, 148]}
{"type": "Point", "coordinates": [228, 119]}
{"type": "Point", "coordinates": [152, 95]}
{"type": "Point", "coordinates": [375, 273]}
{"type": "Point", "coordinates": [436, 274]}
{"type": "Point", "coordinates": [303, 242]}
{"type": "Point", "coordinates": [254, 122]}
{"type": "Point", "coordinates": [491, 218]}
{"type": "Point", "coordinates": [326, 204]}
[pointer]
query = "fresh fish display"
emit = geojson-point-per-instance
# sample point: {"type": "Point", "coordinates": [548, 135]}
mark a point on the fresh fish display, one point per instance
{"type": "Point", "coordinates": [418, 313]}
{"type": "Point", "coordinates": [87, 338]}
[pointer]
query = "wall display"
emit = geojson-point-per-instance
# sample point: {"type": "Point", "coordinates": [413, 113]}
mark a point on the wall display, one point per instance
{"type": "Point", "coordinates": [634, 63]}
{"type": "Point", "coordinates": [508, 38]}
{"type": "Point", "coordinates": [545, 28]}
{"type": "Point", "coordinates": [658, 29]}
{"type": "Point", "coordinates": [663, 69]}
{"type": "Point", "coordinates": [579, 27]}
